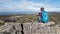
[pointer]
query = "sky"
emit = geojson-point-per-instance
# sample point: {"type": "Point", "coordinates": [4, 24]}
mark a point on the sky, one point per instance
{"type": "Point", "coordinates": [29, 5]}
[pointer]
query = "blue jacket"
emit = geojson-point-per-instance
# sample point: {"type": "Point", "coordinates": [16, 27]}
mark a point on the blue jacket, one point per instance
{"type": "Point", "coordinates": [44, 17]}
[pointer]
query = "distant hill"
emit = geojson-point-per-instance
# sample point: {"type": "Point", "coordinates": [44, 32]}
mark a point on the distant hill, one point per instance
{"type": "Point", "coordinates": [54, 13]}
{"type": "Point", "coordinates": [24, 12]}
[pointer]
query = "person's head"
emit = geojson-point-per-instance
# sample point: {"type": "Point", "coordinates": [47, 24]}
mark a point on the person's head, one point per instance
{"type": "Point", "coordinates": [42, 8]}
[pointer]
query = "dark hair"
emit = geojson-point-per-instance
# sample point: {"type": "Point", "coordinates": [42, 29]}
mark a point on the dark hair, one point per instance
{"type": "Point", "coordinates": [42, 7]}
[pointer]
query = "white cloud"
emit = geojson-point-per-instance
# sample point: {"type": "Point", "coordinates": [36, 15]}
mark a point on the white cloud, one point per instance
{"type": "Point", "coordinates": [53, 9]}
{"type": "Point", "coordinates": [25, 5]}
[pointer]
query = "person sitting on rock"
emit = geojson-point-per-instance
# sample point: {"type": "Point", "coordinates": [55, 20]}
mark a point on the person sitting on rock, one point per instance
{"type": "Point", "coordinates": [43, 16]}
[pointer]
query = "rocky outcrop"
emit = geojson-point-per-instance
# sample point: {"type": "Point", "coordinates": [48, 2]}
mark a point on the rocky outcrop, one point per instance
{"type": "Point", "coordinates": [10, 28]}
{"type": "Point", "coordinates": [36, 28]}
{"type": "Point", "coordinates": [28, 28]}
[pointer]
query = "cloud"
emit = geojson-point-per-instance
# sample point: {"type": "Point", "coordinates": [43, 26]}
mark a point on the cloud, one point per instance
{"type": "Point", "coordinates": [23, 5]}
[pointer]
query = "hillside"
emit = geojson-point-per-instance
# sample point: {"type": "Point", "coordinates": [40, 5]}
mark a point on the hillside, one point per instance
{"type": "Point", "coordinates": [27, 18]}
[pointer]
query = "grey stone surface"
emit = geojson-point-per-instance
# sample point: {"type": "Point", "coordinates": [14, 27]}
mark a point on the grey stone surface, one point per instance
{"type": "Point", "coordinates": [10, 28]}
{"type": "Point", "coordinates": [29, 28]}
{"type": "Point", "coordinates": [38, 28]}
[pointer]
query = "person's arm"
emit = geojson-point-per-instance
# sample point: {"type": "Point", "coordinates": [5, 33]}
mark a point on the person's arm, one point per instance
{"type": "Point", "coordinates": [40, 14]}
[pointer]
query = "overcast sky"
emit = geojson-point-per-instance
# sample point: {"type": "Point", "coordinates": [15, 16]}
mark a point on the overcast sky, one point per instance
{"type": "Point", "coordinates": [29, 5]}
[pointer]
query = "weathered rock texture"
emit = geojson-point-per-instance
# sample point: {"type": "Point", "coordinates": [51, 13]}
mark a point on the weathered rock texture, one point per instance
{"type": "Point", "coordinates": [28, 28]}
{"type": "Point", "coordinates": [11, 28]}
